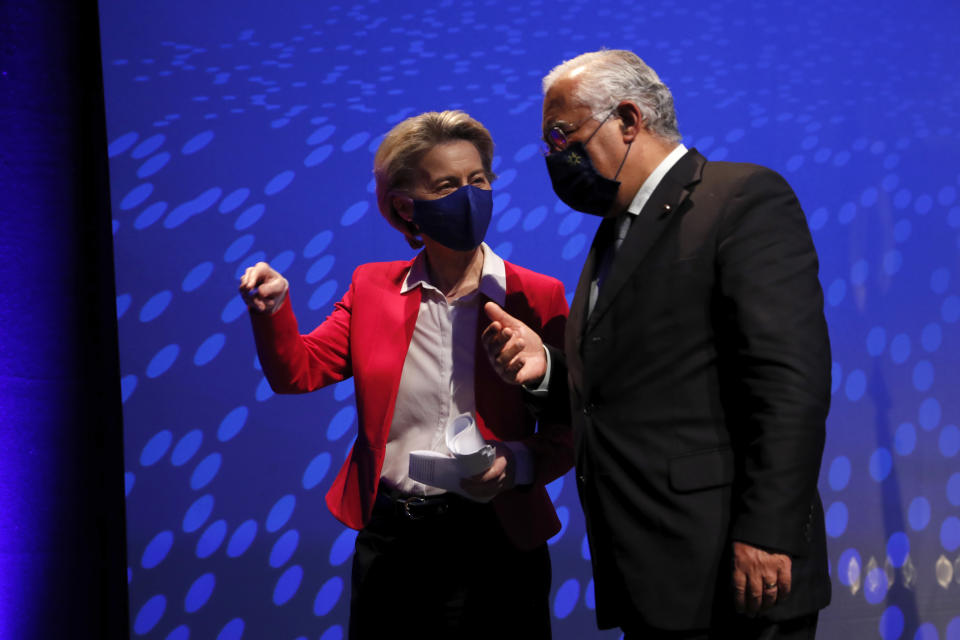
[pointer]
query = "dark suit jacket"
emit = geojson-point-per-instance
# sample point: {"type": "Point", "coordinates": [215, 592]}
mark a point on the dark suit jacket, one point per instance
{"type": "Point", "coordinates": [699, 389]}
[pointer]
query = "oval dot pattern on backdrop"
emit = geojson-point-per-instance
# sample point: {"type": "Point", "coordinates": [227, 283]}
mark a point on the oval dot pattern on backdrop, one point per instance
{"type": "Point", "coordinates": [253, 139]}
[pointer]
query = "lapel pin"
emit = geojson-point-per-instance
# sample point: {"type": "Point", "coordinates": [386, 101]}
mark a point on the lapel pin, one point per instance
{"type": "Point", "coordinates": [666, 208]}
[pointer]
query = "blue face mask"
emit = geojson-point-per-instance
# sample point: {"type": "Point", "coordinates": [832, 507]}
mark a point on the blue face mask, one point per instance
{"type": "Point", "coordinates": [458, 220]}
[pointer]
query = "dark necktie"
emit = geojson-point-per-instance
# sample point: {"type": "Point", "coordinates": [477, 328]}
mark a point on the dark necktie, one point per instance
{"type": "Point", "coordinates": [621, 225]}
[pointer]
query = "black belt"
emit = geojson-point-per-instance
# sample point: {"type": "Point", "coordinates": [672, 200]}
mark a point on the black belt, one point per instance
{"type": "Point", "coordinates": [424, 507]}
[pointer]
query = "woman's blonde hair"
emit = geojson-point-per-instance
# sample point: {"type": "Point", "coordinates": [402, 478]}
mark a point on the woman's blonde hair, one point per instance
{"type": "Point", "coordinates": [399, 155]}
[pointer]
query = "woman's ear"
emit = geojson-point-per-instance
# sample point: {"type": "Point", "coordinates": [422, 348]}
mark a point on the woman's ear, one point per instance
{"type": "Point", "coordinates": [631, 120]}
{"type": "Point", "coordinates": [403, 205]}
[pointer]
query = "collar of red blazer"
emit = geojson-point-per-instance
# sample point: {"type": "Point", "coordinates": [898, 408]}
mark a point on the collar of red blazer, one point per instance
{"type": "Point", "coordinates": [493, 276]}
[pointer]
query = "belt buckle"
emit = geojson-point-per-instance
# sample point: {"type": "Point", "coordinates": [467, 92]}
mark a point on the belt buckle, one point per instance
{"type": "Point", "coordinates": [412, 501]}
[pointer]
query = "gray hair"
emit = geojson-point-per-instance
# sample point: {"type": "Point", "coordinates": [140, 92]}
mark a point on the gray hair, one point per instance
{"type": "Point", "coordinates": [615, 75]}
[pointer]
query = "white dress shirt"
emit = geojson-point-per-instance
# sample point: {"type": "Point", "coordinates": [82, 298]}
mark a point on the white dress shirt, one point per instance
{"type": "Point", "coordinates": [437, 382]}
{"type": "Point", "coordinates": [653, 181]}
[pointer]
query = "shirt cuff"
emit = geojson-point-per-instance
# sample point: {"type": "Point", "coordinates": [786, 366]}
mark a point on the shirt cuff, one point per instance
{"type": "Point", "coordinates": [540, 391]}
{"type": "Point", "coordinates": [522, 462]}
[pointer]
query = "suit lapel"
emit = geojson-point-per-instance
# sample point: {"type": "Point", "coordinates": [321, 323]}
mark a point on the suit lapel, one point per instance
{"type": "Point", "coordinates": [660, 209]}
{"type": "Point", "coordinates": [578, 307]}
{"type": "Point", "coordinates": [387, 349]}
{"type": "Point", "coordinates": [492, 396]}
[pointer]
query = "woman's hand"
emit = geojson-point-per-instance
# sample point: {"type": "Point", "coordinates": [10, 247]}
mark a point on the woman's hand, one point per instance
{"type": "Point", "coordinates": [498, 478]}
{"type": "Point", "coordinates": [262, 288]}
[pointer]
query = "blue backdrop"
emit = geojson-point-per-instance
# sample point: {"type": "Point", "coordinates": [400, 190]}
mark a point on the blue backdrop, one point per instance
{"type": "Point", "coordinates": [241, 132]}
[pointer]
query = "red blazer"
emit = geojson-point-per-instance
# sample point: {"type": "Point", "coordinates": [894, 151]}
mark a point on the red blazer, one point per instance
{"type": "Point", "coordinates": [367, 336]}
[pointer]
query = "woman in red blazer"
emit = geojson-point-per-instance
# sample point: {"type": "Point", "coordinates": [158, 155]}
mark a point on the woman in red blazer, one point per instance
{"type": "Point", "coordinates": [441, 563]}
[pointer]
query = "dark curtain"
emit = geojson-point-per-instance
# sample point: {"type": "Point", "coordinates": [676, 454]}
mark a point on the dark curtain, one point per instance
{"type": "Point", "coordinates": [62, 549]}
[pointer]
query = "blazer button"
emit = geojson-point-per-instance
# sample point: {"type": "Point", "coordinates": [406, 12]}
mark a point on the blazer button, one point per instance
{"type": "Point", "coordinates": [588, 408]}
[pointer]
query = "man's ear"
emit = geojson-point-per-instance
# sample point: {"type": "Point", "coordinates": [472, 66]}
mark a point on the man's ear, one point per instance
{"type": "Point", "coordinates": [403, 205]}
{"type": "Point", "coordinates": [631, 120]}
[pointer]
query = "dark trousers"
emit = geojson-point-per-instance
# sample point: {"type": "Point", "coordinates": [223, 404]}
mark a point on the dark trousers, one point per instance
{"type": "Point", "coordinates": [447, 575]}
{"type": "Point", "coordinates": [736, 628]}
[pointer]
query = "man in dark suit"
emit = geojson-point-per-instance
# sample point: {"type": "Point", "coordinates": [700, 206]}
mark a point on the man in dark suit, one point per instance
{"type": "Point", "coordinates": [698, 364]}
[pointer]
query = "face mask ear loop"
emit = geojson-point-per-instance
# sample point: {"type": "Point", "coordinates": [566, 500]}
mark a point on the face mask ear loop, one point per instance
{"type": "Point", "coordinates": [625, 154]}
{"type": "Point", "coordinates": [607, 117]}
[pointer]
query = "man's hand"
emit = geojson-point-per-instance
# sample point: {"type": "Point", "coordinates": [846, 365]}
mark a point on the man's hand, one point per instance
{"type": "Point", "coordinates": [495, 480]}
{"type": "Point", "coordinates": [760, 579]}
{"type": "Point", "coordinates": [262, 288]}
{"type": "Point", "coordinates": [515, 350]}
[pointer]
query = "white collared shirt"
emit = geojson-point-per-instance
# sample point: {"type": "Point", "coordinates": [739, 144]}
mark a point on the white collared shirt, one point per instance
{"type": "Point", "coordinates": [437, 382]}
{"type": "Point", "coordinates": [653, 180]}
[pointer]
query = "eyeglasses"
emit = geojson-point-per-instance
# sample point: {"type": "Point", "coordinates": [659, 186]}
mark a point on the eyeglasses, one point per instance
{"type": "Point", "coordinates": [556, 138]}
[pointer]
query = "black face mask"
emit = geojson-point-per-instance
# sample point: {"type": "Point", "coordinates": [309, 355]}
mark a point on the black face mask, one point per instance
{"type": "Point", "coordinates": [578, 184]}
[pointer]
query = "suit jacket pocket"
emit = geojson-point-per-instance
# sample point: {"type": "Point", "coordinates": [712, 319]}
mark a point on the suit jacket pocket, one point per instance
{"type": "Point", "coordinates": [701, 470]}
